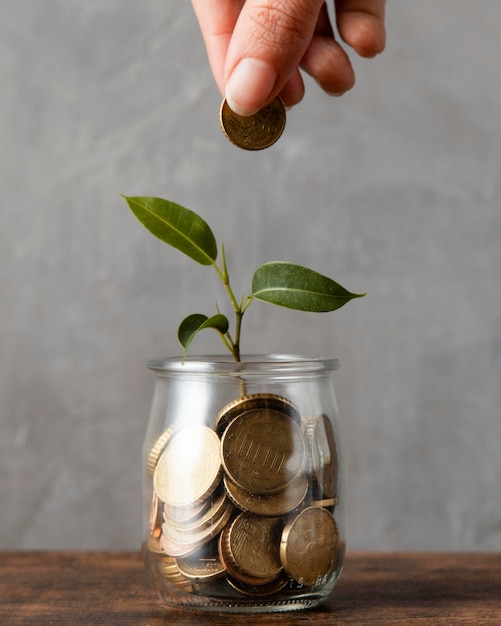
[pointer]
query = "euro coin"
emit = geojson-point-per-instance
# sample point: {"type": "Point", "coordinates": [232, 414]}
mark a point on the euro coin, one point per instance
{"type": "Point", "coordinates": [172, 549]}
{"type": "Point", "coordinates": [217, 504]}
{"type": "Point", "coordinates": [327, 503]}
{"type": "Point", "coordinates": [263, 451]}
{"type": "Point", "coordinates": [189, 469]}
{"type": "Point", "coordinates": [183, 515]}
{"type": "Point", "coordinates": [309, 545]}
{"type": "Point", "coordinates": [194, 538]}
{"type": "Point", "coordinates": [257, 131]}
{"type": "Point", "coordinates": [255, 401]}
{"type": "Point", "coordinates": [259, 591]}
{"type": "Point", "coordinates": [249, 548]}
{"type": "Point", "coordinates": [167, 565]}
{"type": "Point", "coordinates": [157, 449]}
{"type": "Point", "coordinates": [204, 565]}
{"type": "Point", "coordinates": [323, 454]}
{"type": "Point", "coordinates": [155, 516]}
{"type": "Point", "coordinates": [272, 505]}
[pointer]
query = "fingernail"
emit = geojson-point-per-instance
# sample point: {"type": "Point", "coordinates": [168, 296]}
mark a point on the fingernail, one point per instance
{"type": "Point", "coordinates": [249, 86]}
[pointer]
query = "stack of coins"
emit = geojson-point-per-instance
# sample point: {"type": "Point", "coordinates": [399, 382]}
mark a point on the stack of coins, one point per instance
{"type": "Point", "coordinates": [245, 505]}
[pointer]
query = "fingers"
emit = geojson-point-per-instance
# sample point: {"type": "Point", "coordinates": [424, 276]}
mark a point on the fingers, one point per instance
{"type": "Point", "coordinates": [326, 61]}
{"type": "Point", "coordinates": [361, 25]}
{"type": "Point", "coordinates": [269, 40]}
{"type": "Point", "coordinates": [255, 47]}
{"type": "Point", "coordinates": [217, 19]}
{"type": "Point", "coordinates": [329, 65]}
{"type": "Point", "coordinates": [293, 90]}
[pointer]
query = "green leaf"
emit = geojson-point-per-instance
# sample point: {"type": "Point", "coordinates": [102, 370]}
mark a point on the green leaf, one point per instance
{"type": "Point", "coordinates": [297, 287]}
{"type": "Point", "coordinates": [196, 322]}
{"type": "Point", "coordinates": [174, 224]}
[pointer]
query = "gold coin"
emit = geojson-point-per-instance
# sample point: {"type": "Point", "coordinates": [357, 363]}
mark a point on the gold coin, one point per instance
{"type": "Point", "coordinates": [164, 567]}
{"type": "Point", "coordinates": [257, 131]}
{"type": "Point", "coordinates": [327, 503]}
{"type": "Point", "coordinates": [167, 566]}
{"type": "Point", "coordinates": [204, 565]}
{"type": "Point", "coordinates": [172, 549]}
{"type": "Point", "coordinates": [183, 515]}
{"type": "Point", "coordinates": [323, 454]}
{"type": "Point", "coordinates": [273, 505]}
{"type": "Point", "coordinates": [309, 544]}
{"type": "Point", "coordinates": [250, 548]}
{"type": "Point", "coordinates": [263, 451]}
{"type": "Point", "coordinates": [254, 401]}
{"type": "Point", "coordinates": [215, 507]}
{"type": "Point", "coordinates": [155, 516]}
{"type": "Point", "coordinates": [189, 469]}
{"type": "Point", "coordinates": [260, 591]}
{"type": "Point", "coordinates": [157, 449]}
{"type": "Point", "coordinates": [182, 583]}
{"type": "Point", "coordinates": [196, 538]}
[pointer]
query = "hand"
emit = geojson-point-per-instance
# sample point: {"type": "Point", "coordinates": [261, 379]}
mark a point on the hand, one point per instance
{"type": "Point", "coordinates": [257, 47]}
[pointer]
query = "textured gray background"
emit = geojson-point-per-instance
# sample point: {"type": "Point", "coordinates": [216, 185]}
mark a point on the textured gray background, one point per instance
{"type": "Point", "coordinates": [394, 189]}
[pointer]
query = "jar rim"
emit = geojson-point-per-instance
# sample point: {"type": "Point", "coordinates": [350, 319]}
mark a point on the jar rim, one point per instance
{"type": "Point", "coordinates": [252, 363]}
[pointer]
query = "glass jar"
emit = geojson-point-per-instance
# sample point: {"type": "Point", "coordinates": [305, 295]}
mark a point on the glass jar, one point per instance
{"type": "Point", "coordinates": [243, 483]}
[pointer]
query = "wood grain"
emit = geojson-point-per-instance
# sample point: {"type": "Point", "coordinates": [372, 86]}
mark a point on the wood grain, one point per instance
{"type": "Point", "coordinates": [104, 588]}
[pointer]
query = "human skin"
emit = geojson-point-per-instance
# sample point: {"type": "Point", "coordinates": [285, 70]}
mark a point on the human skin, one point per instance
{"type": "Point", "coordinates": [256, 48]}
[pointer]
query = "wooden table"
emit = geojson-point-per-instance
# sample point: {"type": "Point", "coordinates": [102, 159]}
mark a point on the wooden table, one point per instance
{"type": "Point", "coordinates": [104, 588]}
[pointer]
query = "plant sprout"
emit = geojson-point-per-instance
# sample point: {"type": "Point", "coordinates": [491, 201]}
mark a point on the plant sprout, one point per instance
{"type": "Point", "coordinates": [281, 283]}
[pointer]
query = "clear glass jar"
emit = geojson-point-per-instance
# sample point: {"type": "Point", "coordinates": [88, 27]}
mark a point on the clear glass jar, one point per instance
{"type": "Point", "coordinates": [243, 483]}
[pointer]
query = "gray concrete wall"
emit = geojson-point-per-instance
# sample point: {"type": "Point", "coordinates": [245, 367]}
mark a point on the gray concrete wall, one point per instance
{"type": "Point", "coordinates": [394, 189]}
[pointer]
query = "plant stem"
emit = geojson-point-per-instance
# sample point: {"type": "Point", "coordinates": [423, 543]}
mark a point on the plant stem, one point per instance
{"type": "Point", "coordinates": [239, 309]}
{"type": "Point", "coordinates": [238, 326]}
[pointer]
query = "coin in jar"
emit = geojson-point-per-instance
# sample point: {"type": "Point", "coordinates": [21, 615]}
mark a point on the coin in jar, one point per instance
{"type": "Point", "coordinates": [323, 454]}
{"type": "Point", "coordinates": [260, 591]}
{"type": "Point", "coordinates": [189, 469]}
{"type": "Point", "coordinates": [309, 544]}
{"type": "Point", "coordinates": [327, 503]}
{"type": "Point", "coordinates": [271, 505]}
{"type": "Point", "coordinates": [254, 401]}
{"type": "Point", "coordinates": [157, 449]}
{"type": "Point", "coordinates": [172, 549]}
{"type": "Point", "coordinates": [254, 132]}
{"type": "Point", "coordinates": [167, 565]}
{"type": "Point", "coordinates": [212, 511]}
{"type": "Point", "coordinates": [204, 565]}
{"type": "Point", "coordinates": [185, 514]}
{"type": "Point", "coordinates": [155, 516]}
{"type": "Point", "coordinates": [263, 451]}
{"type": "Point", "coordinates": [194, 538]}
{"type": "Point", "coordinates": [249, 548]}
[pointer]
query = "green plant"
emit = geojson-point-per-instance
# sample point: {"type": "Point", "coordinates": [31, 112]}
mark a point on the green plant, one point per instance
{"type": "Point", "coordinates": [284, 284]}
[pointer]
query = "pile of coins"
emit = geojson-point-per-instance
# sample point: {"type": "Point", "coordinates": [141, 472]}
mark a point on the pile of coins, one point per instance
{"type": "Point", "coordinates": [246, 504]}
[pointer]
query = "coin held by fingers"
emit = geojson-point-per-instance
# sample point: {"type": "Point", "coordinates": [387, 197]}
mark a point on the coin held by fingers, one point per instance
{"type": "Point", "coordinates": [254, 132]}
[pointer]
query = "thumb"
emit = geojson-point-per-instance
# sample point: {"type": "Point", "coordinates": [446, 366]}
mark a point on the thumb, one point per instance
{"type": "Point", "coordinates": [266, 47]}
